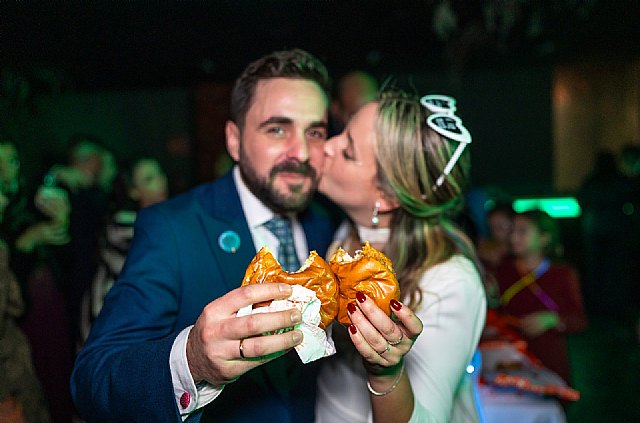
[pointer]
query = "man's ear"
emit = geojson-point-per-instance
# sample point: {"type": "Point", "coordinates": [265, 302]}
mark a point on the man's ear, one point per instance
{"type": "Point", "coordinates": [232, 133]}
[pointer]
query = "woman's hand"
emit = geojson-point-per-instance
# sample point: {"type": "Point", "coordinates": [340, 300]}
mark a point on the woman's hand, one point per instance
{"type": "Point", "coordinates": [381, 341]}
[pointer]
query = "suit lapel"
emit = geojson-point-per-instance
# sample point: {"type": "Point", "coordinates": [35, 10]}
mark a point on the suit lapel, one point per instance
{"type": "Point", "coordinates": [222, 211]}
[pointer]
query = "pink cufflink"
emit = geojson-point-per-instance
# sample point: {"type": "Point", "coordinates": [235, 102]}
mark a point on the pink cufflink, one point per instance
{"type": "Point", "coordinates": [185, 399]}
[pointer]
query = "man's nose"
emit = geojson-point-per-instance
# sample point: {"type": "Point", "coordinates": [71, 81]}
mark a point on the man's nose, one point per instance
{"type": "Point", "coordinates": [299, 147]}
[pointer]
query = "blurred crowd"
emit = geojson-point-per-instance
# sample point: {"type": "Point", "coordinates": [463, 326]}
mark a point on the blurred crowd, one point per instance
{"type": "Point", "coordinates": [64, 242]}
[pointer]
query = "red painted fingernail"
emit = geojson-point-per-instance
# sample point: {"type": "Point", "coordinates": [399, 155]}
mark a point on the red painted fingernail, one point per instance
{"type": "Point", "coordinates": [353, 329]}
{"type": "Point", "coordinates": [361, 297]}
{"type": "Point", "coordinates": [351, 308]}
{"type": "Point", "coordinates": [395, 305]}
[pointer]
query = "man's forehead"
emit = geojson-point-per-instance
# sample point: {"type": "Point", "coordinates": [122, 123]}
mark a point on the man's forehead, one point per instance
{"type": "Point", "coordinates": [289, 98]}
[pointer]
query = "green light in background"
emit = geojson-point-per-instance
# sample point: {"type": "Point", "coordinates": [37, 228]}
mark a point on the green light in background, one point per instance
{"type": "Point", "coordinates": [558, 208]}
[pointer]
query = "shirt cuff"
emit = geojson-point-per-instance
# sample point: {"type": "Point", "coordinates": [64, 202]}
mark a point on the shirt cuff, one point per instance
{"type": "Point", "coordinates": [189, 396]}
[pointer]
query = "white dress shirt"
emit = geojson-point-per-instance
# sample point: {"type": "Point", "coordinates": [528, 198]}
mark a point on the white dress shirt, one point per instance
{"type": "Point", "coordinates": [256, 214]}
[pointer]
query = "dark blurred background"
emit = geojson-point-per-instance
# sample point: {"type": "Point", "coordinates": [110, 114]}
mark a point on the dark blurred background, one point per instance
{"type": "Point", "coordinates": [543, 86]}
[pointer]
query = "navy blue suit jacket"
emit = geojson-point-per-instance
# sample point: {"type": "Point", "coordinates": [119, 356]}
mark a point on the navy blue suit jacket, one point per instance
{"type": "Point", "coordinates": [174, 268]}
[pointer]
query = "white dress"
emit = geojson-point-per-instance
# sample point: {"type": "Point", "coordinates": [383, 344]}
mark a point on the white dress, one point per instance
{"type": "Point", "coordinates": [453, 312]}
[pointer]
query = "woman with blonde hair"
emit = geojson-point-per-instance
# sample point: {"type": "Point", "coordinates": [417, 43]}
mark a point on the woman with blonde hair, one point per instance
{"type": "Point", "coordinates": [399, 170]}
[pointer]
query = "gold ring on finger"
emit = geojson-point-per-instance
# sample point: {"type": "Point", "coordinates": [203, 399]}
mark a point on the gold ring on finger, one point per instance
{"type": "Point", "coordinates": [241, 349]}
{"type": "Point", "coordinates": [388, 347]}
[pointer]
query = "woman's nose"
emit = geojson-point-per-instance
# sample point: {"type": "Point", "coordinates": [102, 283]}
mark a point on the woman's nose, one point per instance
{"type": "Point", "coordinates": [329, 148]}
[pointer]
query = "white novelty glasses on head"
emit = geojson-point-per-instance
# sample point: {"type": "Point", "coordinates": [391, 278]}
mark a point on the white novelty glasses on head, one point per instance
{"type": "Point", "coordinates": [446, 123]}
{"type": "Point", "coordinates": [437, 103]}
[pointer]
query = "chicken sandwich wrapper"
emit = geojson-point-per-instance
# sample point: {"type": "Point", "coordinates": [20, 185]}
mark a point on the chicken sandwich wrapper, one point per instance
{"type": "Point", "coordinates": [316, 343]}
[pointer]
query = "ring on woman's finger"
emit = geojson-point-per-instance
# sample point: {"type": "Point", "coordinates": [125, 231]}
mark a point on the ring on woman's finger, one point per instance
{"type": "Point", "coordinates": [388, 347]}
{"type": "Point", "coordinates": [241, 348]}
{"type": "Point", "coordinates": [399, 340]}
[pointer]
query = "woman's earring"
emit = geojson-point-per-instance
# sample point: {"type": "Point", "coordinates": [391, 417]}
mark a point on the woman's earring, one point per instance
{"type": "Point", "coordinates": [374, 216]}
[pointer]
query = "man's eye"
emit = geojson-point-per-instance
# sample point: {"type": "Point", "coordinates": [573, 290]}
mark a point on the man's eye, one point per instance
{"type": "Point", "coordinates": [276, 130]}
{"type": "Point", "coordinates": [317, 134]}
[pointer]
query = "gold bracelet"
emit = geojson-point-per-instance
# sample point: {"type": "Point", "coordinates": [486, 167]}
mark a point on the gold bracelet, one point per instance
{"type": "Point", "coordinates": [391, 388]}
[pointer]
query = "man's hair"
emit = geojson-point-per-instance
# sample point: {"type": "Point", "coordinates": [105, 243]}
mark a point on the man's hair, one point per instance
{"type": "Point", "coordinates": [296, 64]}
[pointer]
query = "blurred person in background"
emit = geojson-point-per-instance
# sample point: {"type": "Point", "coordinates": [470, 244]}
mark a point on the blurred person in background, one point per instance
{"type": "Point", "coordinates": [21, 396]}
{"type": "Point", "coordinates": [493, 249]}
{"type": "Point", "coordinates": [87, 177]}
{"type": "Point", "coordinates": [35, 229]}
{"type": "Point", "coordinates": [353, 89]}
{"type": "Point", "coordinates": [140, 184]}
{"type": "Point", "coordinates": [541, 295]}
{"type": "Point", "coordinates": [607, 197]}
{"type": "Point", "coordinates": [496, 247]}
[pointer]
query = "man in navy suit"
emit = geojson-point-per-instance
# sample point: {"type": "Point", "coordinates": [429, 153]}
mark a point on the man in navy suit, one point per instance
{"type": "Point", "coordinates": [167, 344]}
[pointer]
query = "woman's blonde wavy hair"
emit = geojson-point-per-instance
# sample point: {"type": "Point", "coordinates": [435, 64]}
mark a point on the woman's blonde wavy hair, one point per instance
{"type": "Point", "coordinates": [410, 158]}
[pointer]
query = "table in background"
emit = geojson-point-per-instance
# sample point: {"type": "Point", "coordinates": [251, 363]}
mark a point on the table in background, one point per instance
{"type": "Point", "coordinates": [503, 406]}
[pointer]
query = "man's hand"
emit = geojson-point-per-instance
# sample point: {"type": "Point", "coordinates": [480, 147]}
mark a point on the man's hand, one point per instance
{"type": "Point", "coordinates": [213, 345]}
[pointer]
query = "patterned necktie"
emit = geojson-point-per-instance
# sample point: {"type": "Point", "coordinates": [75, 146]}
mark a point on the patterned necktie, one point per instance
{"type": "Point", "coordinates": [281, 228]}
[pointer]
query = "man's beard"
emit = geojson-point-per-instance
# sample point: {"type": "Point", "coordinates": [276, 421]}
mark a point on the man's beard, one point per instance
{"type": "Point", "coordinates": [264, 190]}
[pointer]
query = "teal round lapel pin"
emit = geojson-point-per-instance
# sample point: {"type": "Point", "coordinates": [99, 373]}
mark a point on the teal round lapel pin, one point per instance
{"type": "Point", "coordinates": [229, 241]}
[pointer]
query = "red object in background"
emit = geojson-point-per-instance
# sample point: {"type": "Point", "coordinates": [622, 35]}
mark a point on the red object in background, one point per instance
{"type": "Point", "coordinates": [507, 362]}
